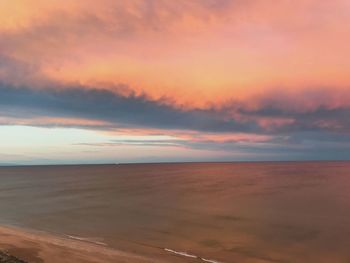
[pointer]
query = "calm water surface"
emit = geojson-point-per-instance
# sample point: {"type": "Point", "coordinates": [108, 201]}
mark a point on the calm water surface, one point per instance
{"type": "Point", "coordinates": [227, 212]}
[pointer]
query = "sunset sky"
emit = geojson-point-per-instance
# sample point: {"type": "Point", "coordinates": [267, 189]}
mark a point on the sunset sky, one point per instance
{"type": "Point", "coordinates": [86, 81]}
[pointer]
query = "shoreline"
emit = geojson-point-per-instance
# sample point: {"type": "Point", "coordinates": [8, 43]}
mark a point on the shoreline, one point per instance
{"type": "Point", "coordinates": [32, 246]}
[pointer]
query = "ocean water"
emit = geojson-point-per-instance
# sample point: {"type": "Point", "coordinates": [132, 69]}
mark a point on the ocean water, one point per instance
{"type": "Point", "coordinates": [219, 212]}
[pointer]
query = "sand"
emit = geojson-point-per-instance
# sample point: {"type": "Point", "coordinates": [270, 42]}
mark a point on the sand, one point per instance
{"type": "Point", "coordinates": [38, 247]}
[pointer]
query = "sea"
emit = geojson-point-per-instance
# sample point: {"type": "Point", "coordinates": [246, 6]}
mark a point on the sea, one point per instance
{"type": "Point", "coordinates": [209, 212]}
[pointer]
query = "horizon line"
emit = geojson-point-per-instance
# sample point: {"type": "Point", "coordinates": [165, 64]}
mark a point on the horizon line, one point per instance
{"type": "Point", "coordinates": [174, 162]}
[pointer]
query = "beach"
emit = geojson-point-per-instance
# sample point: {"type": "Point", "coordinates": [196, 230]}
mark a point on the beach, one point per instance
{"type": "Point", "coordinates": [36, 247]}
{"type": "Point", "coordinates": [18, 245]}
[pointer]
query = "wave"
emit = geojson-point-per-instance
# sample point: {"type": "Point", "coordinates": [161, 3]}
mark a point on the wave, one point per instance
{"type": "Point", "coordinates": [210, 260]}
{"type": "Point", "coordinates": [185, 254]}
{"type": "Point", "coordinates": [90, 240]}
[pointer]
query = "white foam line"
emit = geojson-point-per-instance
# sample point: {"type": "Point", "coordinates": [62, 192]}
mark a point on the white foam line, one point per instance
{"type": "Point", "coordinates": [210, 260]}
{"type": "Point", "coordinates": [185, 254]}
{"type": "Point", "coordinates": [87, 240]}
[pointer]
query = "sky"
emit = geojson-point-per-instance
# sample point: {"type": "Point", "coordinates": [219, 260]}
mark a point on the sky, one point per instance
{"type": "Point", "coordinates": [111, 81]}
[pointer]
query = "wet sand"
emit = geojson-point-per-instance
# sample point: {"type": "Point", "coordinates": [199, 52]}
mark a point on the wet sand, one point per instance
{"type": "Point", "coordinates": [37, 247]}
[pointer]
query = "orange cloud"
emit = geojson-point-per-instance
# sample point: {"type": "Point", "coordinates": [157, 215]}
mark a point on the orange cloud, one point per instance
{"type": "Point", "coordinates": [196, 52]}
